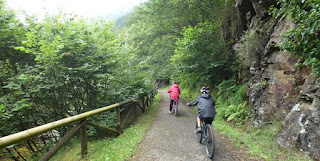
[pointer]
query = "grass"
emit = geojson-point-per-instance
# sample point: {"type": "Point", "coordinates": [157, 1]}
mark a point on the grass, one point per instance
{"type": "Point", "coordinates": [117, 149]}
{"type": "Point", "coordinates": [259, 141]}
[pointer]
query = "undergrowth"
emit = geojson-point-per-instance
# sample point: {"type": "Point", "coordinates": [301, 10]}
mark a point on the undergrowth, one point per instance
{"type": "Point", "coordinates": [114, 149]}
{"type": "Point", "coordinates": [231, 102]}
{"type": "Point", "coordinates": [258, 141]}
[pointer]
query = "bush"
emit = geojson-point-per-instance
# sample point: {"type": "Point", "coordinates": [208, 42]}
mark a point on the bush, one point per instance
{"type": "Point", "coordinates": [250, 46]}
{"type": "Point", "coordinates": [242, 92]}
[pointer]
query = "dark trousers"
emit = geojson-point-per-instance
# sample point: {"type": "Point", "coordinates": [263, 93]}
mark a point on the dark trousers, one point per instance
{"type": "Point", "coordinates": [207, 120]}
{"type": "Point", "coordinates": [171, 103]}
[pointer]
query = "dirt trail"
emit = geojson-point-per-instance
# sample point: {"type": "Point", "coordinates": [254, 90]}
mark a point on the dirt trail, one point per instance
{"type": "Point", "coordinates": [172, 138]}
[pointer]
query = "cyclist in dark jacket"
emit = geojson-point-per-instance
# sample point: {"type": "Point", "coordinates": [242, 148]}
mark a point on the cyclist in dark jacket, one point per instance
{"type": "Point", "coordinates": [206, 107]}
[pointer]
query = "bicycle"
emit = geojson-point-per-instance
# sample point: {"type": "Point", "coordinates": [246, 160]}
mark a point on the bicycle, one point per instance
{"type": "Point", "coordinates": [175, 106]}
{"type": "Point", "coordinates": [207, 136]}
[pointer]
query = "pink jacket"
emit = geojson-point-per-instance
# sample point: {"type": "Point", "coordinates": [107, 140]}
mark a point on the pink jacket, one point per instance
{"type": "Point", "coordinates": [174, 92]}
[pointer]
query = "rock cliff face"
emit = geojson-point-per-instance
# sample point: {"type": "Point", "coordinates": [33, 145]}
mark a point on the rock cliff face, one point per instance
{"type": "Point", "coordinates": [278, 89]}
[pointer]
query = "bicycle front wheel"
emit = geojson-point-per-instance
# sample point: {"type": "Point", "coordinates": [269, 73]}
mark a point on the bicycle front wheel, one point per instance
{"type": "Point", "coordinates": [210, 142]}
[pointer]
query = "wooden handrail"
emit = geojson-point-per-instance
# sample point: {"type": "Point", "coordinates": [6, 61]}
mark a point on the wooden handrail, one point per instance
{"type": "Point", "coordinates": [27, 134]}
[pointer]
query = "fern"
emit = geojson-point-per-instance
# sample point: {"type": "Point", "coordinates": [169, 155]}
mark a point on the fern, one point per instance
{"type": "Point", "coordinates": [220, 101]}
{"type": "Point", "coordinates": [242, 91]}
{"type": "Point", "coordinates": [232, 116]}
{"type": "Point", "coordinates": [231, 104]}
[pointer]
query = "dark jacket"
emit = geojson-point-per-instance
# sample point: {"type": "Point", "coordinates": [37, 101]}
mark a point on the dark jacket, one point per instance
{"type": "Point", "coordinates": [205, 105]}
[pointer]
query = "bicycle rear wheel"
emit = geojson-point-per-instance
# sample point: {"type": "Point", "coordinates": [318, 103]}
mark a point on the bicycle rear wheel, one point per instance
{"type": "Point", "coordinates": [199, 135]}
{"type": "Point", "coordinates": [176, 109]}
{"type": "Point", "coordinates": [210, 142]}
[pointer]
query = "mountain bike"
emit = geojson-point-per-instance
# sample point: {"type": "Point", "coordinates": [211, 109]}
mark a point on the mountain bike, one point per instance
{"type": "Point", "coordinates": [175, 106]}
{"type": "Point", "coordinates": [207, 137]}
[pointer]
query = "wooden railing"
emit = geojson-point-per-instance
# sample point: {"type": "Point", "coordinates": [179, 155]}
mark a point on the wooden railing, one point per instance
{"type": "Point", "coordinates": [142, 103]}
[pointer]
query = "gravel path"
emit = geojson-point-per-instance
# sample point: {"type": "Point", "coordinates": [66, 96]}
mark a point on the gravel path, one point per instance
{"type": "Point", "coordinates": [172, 138]}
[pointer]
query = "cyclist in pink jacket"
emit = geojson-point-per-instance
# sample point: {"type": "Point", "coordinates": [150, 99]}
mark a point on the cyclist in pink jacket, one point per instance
{"type": "Point", "coordinates": [174, 94]}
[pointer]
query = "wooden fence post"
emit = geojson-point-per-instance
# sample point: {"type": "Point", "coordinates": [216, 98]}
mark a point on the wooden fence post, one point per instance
{"type": "Point", "coordinates": [118, 118]}
{"type": "Point", "coordinates": [147, 102]}
{"type": "Point", "coordinates": [143, 105]}
{"type": "Point", "coordinates": [135, 110]}
{"type": "Point", "coordinates": [150, 99]}
{"type": "Point", "coordinates": [84, 139]}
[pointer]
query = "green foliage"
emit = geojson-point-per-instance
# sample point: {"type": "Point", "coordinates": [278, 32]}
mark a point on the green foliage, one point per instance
{"type": "Point", "coordinates": [220, 100]}
{"type": "Point", "coordinates": [231, 102]}
{"type": "Point", "coordinates": [261, 84]}
{"type": "Point", "coordinates": [304, 40]}
{"type": "Point", "coordinates": [226, 89]}
{"type": "Point", "coordinates": [238, 113]}
{"type": "Point", "coordinates": [249, 48]}
{"type": "Point", "coordinates": [76, 62]}
{"type": "Point", "coordinates": [243, 91]}
{"type": "Point", "coordinates": [201, 57]}
{"type": "Point", "coordinates": [15, 102]}
{"type": "Point", "coordinates": [189, 94]}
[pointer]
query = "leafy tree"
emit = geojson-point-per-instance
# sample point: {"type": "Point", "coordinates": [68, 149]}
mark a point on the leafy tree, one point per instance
{"type": "Point", "coordinates": [14, 104]}
{"type": "Point", "coordinates": [72, 57]}
{"type": "Point", "coordinates": [201, 57]}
